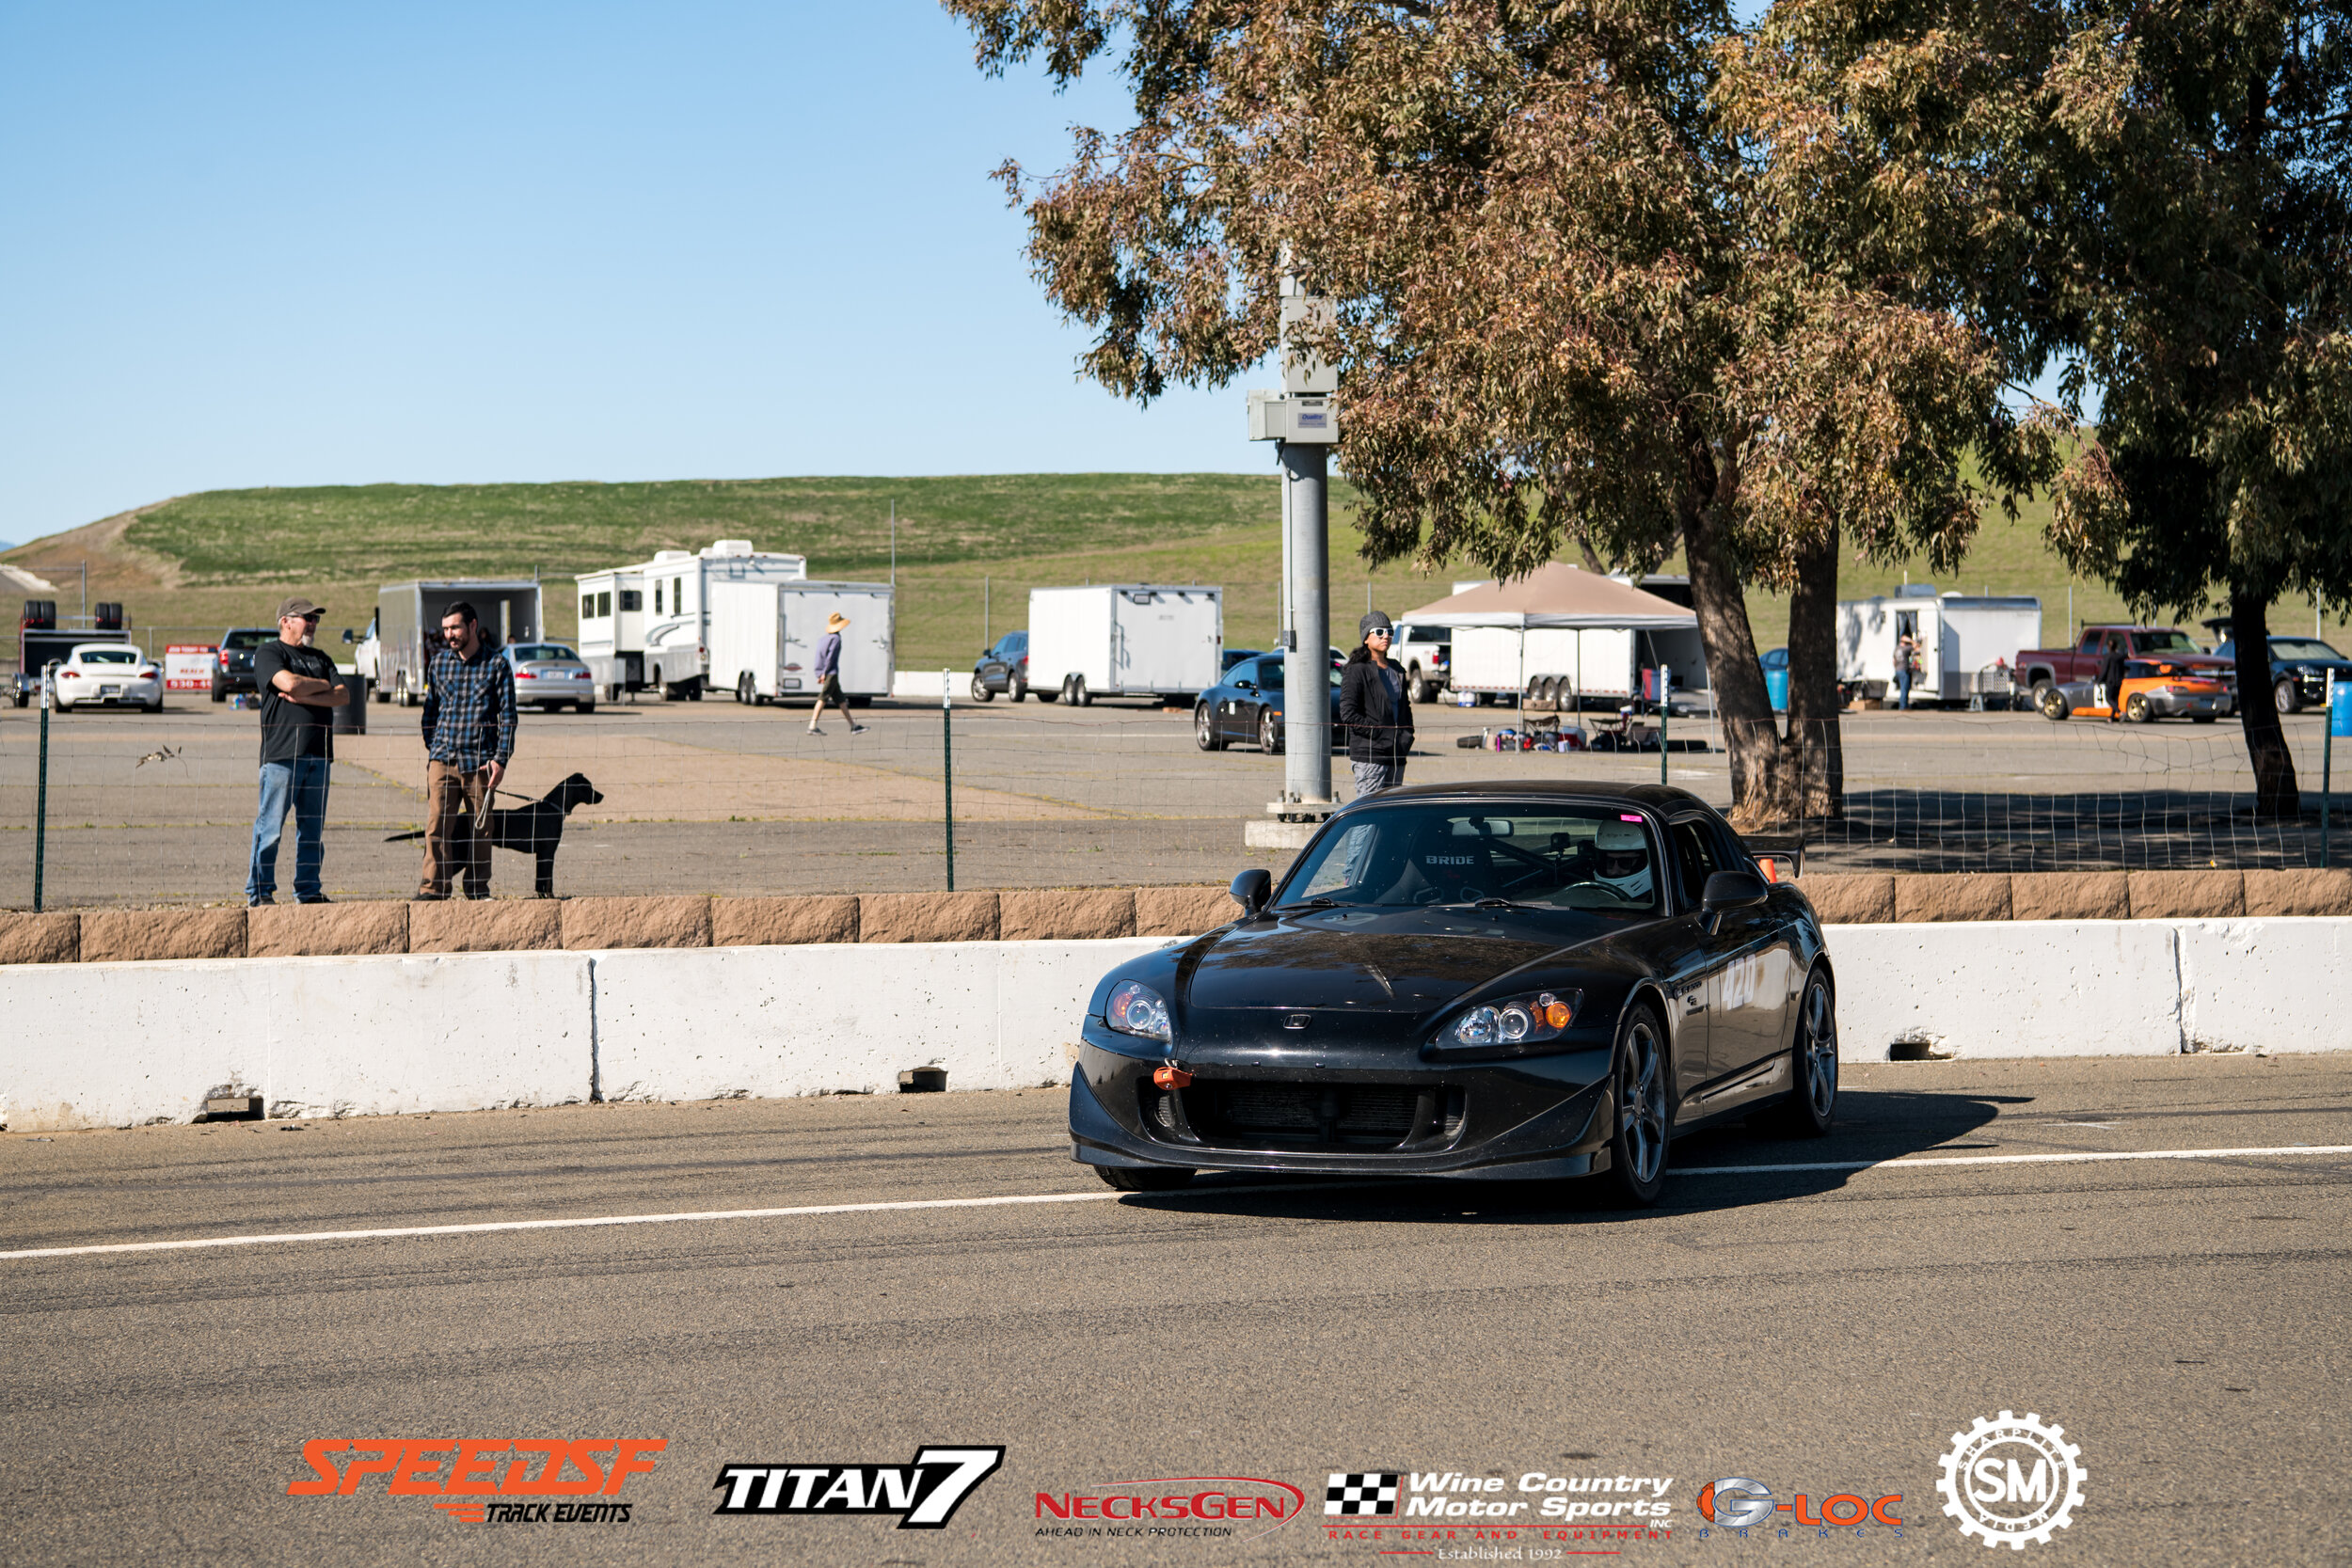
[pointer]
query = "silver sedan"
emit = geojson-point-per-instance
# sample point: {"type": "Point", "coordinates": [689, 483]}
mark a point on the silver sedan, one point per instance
{"type": "Point", "coordinates": [549, 675]}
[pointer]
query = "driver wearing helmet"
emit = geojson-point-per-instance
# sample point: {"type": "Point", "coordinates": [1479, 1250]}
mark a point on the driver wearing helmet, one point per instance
{"type": "Point", "coordinates": [1621, 859]}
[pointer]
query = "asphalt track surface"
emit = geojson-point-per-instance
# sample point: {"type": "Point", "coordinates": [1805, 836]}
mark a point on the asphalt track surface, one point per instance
{"type": "Point", "coordinates": [1825, 1331]}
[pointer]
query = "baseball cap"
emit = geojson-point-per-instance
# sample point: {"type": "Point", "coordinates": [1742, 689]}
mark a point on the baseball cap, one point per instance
{"type": "Point", "coordinates": [298, 607]}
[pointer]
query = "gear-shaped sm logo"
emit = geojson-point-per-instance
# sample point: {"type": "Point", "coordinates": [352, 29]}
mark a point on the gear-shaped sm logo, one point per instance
{"type": "Point", "coordinates": [2012, 1480]}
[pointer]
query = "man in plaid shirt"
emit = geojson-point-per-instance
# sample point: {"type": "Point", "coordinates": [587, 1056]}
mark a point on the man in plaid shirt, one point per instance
{"type": "Point", "coordinates": [468, 735]}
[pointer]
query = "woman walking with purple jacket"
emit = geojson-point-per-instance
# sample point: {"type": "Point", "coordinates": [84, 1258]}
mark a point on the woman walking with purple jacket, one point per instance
{"type": "Point", "coordinates": [829, 675]}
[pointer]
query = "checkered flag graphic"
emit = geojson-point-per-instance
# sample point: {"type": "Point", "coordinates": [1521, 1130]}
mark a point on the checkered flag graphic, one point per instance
{"type": "Point", "coordinates": [1361, 1491]}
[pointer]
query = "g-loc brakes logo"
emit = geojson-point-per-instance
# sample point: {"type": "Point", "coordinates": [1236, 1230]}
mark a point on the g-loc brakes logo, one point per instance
{"type": "Point", "coordinates": [1986, 1489]}
{"type": "Point", "coordinates": [925, 1494]}
{"type": "Point", "coordinates": [486, 1478]}
{"type": "Point", "coordinates": [1738, 1502]}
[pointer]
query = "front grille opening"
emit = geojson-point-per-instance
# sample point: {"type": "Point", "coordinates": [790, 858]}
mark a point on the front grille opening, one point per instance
{"type": "Point", "coordinates": [1163, 1110]}
{"type": "Point", "coordinates": [1335, 1116]}
{"type": "Point", "coordinates": [1450, 1122]}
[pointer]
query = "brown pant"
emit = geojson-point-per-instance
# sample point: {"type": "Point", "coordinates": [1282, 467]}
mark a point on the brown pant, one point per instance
{"type": "Point", "coordinates": [455, 841]}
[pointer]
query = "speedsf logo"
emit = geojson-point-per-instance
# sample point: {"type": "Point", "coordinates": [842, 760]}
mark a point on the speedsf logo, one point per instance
{"type": "Point", "coordinates": [924, 1495]}
{"type": "Point", "coordinates": [498, 1481]}
{"type": "Point", "coordinates": [1451, 1495]}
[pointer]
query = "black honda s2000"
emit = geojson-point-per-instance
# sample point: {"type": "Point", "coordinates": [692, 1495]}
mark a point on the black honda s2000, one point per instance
{"type": "Point", "coordinates": [1516, 981]}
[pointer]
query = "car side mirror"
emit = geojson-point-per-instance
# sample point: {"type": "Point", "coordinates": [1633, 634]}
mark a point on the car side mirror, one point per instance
{"type": "Point", "coordinates": [1252, 889]}
{"type": "Point", "coordinates": [1245, 685]}
{"type": "Point", "coordinates": [347, 637]}
{"type": "Point", "coordinates": [1733, 889]}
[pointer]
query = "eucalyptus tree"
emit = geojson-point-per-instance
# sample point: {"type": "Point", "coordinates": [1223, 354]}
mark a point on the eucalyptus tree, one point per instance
{"type": "Point", "coordinates": [1574, 301]}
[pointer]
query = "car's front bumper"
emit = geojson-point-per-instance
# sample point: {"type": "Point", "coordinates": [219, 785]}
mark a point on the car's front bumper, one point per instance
{"type": "Point", "coordinates": [1538, 1117]}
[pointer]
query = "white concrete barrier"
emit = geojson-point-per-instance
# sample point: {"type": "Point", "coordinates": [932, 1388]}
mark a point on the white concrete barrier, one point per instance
{"type": "Point", "coordinates": [705, 1023]}
{"type": "Point", "coordinates": [114, 1045]}
{"type": "Point", "coordinates": [111, 1045]}
{"type": "Point", "coordinates": [2041, 987]}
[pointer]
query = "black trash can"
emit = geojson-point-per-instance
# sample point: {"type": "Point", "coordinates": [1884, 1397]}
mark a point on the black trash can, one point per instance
{"type": "Point", "coordinates": [352, 718]}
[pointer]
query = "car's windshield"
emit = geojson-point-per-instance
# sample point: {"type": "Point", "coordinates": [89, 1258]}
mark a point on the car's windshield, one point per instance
{"type": "Point", "coordinates": [1547, 853]}
{"type": "Point", "coordinates": [108, 656]}
{"type": "Point", "coordinates": [544, 650]}
{"type": "Point", "coordinates": [246, 638]}
{"type": "Point", "coordinates": [2163, 642]}
{"type": "Point", "coordinates": [2301, 647]}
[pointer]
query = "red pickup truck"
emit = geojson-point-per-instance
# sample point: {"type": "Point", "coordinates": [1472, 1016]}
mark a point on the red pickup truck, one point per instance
{"type": "Point", "coordinates": [2037, 668]}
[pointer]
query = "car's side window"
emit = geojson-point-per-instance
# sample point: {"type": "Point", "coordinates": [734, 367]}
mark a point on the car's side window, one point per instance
{"type": "Point", "coordinates": [1696, 855]}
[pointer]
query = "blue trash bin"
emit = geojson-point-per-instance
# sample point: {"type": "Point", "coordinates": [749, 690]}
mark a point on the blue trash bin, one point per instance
{"type": "Point", "coordinates": [1776, 688]}
{"type": "Point", "coordinates": [2340, 709]}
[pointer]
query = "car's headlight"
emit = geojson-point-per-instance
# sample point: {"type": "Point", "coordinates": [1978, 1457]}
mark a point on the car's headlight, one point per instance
{"type": "Point", "coordinates": [1538, 1016]}
{"type": "Point", "coordinates": [1136, 1009]}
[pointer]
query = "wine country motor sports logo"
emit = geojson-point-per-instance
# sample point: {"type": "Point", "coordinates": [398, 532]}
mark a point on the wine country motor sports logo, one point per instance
{"type": "Point", "coordinates": [1225, 1508]}
{"type": "Point", "coordinates": [2012, 1480]}
{"type": "Point", "coordinates": [924, 1495]}
{"type": "Point", "coordinates": [1741, 1503]}
{"type": "Point", "coordinates": [498, 1481]}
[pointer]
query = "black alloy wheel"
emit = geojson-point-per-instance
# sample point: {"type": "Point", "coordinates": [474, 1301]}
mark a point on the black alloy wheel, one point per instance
{"type": "Point", "coordinates": [1812, 1103]}
{"type": "Point", "coordinates": [1269, 733]}
{"type": "Point", "coordinates": [1644, 1119]}
{"type": "Point", "coordinates": [1205, 732]}
{"type": "Point", "coordinates": [1144, 1178]}
{"type": "Point", "coordinates": [2289, 699]}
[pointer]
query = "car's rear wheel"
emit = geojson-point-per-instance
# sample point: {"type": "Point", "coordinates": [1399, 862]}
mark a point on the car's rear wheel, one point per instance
{"type": "Point", "coordinates": [1269, 733]}
{"type": "Point", "coordinates": [1017, 689]}
{"type": "Point", "coordinates": [1144, 1178]}
{"type": "Point", "coordinates": [2135, 707]}
{"type": "Point", "coordinates": [1812, 1103]}
{"type": "Point", "coordinates": [220, 693]}
{"type": "Point", "coordinates": [588, 707]}
{"type": "Point", "coordinates": [1205, 729]}
{"type": "Point", "coordinates": [2054, 703]}
{"type": "Point", "coordinates": [1644, 1119]}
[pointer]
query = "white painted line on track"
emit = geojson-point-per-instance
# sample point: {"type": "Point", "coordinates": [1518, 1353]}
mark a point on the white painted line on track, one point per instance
{"type": "Point", "coordinates": [588, 1222]}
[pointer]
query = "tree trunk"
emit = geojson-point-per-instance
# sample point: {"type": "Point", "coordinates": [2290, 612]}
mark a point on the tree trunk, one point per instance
{"type": "Point", "coordinates": [2275, 794]}
{"type": "Point", "coordinates": [1765, 787]}
{"type": "Point", "coordinates": [1814, 733]}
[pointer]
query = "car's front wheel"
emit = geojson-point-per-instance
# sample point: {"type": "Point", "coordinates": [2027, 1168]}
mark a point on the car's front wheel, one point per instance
{"type": "Point", "coordinates": [1144, 1178]}
{"type": "Point", "coordinates": [2287, 698]}
{"type": "Point", "coordinates": [1644, 1119]}
{"type": "Point", "coordinates": [1812, 1103]}
{"type": "Point", "coordinates": [1269, 731]}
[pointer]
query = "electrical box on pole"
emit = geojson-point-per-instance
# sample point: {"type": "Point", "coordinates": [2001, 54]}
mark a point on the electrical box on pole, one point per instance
{"type": "Point", "coordinates": [1303, 419]}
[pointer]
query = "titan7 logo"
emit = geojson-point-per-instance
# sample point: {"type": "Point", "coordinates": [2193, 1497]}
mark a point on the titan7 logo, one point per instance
{"type": "Point", "coordinates": [924, 1495]}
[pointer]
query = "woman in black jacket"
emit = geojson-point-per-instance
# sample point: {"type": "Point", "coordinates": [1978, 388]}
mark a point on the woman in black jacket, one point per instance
{"type": "Point", "coordinates": [1380, 721]}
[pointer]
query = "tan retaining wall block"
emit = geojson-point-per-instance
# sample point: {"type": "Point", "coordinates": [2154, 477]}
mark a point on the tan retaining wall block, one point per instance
{"type": "Point", "coordinates": [50, 938]}
{"type": "Point", "coordinates": [116, 936]}
{"type": "Point", "coordinates": [1183, 912]}
{"type": "Point", "coordinates": [484, 925]}
{"type": "Point", "coordinates": [2299, 893]}
{"type": "Point", "coordinates": [2070, 895]}
{"type": "Point", "coordinates": [1066, 915]}
{"type": "Point", "coordinates": [1861, 900]}
{"type": "Point", "coordinates": [655, 922]}
{"type": "Point", "coordinates": [1968, 895]}
{"type": "Point", "coordinates": [297, 930]}
{"type": "Point", "coordinates": [782, 922]}
{"type": "Point", "coordinates": [2187, 894]}
{"type": "Point", "coordinates": [926, 917]}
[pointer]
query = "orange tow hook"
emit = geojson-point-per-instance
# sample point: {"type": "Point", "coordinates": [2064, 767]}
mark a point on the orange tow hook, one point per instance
{"type": "Point", "coordinates": [1167, 1075]}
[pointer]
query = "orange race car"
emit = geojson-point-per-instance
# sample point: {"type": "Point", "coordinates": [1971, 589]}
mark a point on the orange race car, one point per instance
{"type": "Point", "coordinates": [2153, 689]}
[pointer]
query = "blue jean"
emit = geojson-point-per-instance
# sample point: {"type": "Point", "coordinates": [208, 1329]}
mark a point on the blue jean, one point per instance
{"type": "Point", "coordinates": [301, 787]}
{"type": "Point", "coordinates": [1902, 683]}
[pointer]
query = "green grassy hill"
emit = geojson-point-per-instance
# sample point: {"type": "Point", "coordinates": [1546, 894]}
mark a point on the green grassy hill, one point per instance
{"type": "Point", "coordinates": [969, 549]}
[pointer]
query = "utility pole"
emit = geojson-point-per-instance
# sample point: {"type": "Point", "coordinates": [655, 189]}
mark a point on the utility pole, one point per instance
{"type": "Point", "coordinates": [1302, 421]}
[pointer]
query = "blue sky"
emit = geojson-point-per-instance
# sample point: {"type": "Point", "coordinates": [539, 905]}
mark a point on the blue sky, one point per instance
{"type": "Point", "coordinates": [246, 243]}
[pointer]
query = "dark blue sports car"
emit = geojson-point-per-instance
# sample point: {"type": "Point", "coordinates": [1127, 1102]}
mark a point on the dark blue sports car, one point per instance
{"type": "Point", "coordinates": [1513, 980]}
{"type": "Point", "coordinates": [1247, 706]}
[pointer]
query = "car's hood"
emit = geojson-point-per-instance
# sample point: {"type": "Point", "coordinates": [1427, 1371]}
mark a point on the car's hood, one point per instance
{"type": "Point", "coordinates": [1409, 961]}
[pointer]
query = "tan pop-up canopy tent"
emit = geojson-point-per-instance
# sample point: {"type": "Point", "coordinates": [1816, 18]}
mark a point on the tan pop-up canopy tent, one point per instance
{"type": "Point", "coordinates": [1563, 624]}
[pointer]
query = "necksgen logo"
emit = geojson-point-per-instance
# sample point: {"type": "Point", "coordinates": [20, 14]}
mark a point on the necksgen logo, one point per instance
{"type": "Point", "coordinates": [487, 1480]}
{"type": "Point", "coordinates": [925, 1494]}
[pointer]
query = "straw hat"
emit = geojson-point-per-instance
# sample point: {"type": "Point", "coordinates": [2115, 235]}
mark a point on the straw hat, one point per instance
{"type": "Point", "coordinates": [835, 621]}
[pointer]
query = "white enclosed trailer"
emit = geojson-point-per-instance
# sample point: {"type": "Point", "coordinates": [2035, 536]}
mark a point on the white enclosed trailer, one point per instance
{"type": "Point", "coordinates": [1125, 639]}
{"type": "Point", "coordinates": [664, 645]}
{"type": "Point", "coordinates": [1964, 645]}
{"type": "Point", "coordinates": [408, 617]}
{"type": "Point", "coordinates": [764, 636]}
{"type": "Point", "coordinates": [1566, 633]}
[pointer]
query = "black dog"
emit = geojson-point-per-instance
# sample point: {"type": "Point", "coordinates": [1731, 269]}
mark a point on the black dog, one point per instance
{"type": "Point", "coordinates": [537, 828]}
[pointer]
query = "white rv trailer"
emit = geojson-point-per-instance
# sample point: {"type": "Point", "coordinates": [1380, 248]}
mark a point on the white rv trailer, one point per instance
{"type": "Point", "coordinates": [1125, 639]}
{"type": "Point", "coordinates": [1965, 643]}
{"type": "Point", "coordinates": [764, 636]}
{"type": "Point", "coordinates": [648, 626]}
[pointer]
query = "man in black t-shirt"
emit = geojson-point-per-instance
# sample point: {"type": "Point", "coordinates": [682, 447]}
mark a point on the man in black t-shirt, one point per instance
{"type": "Point", "coordinates": [298, 696]}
